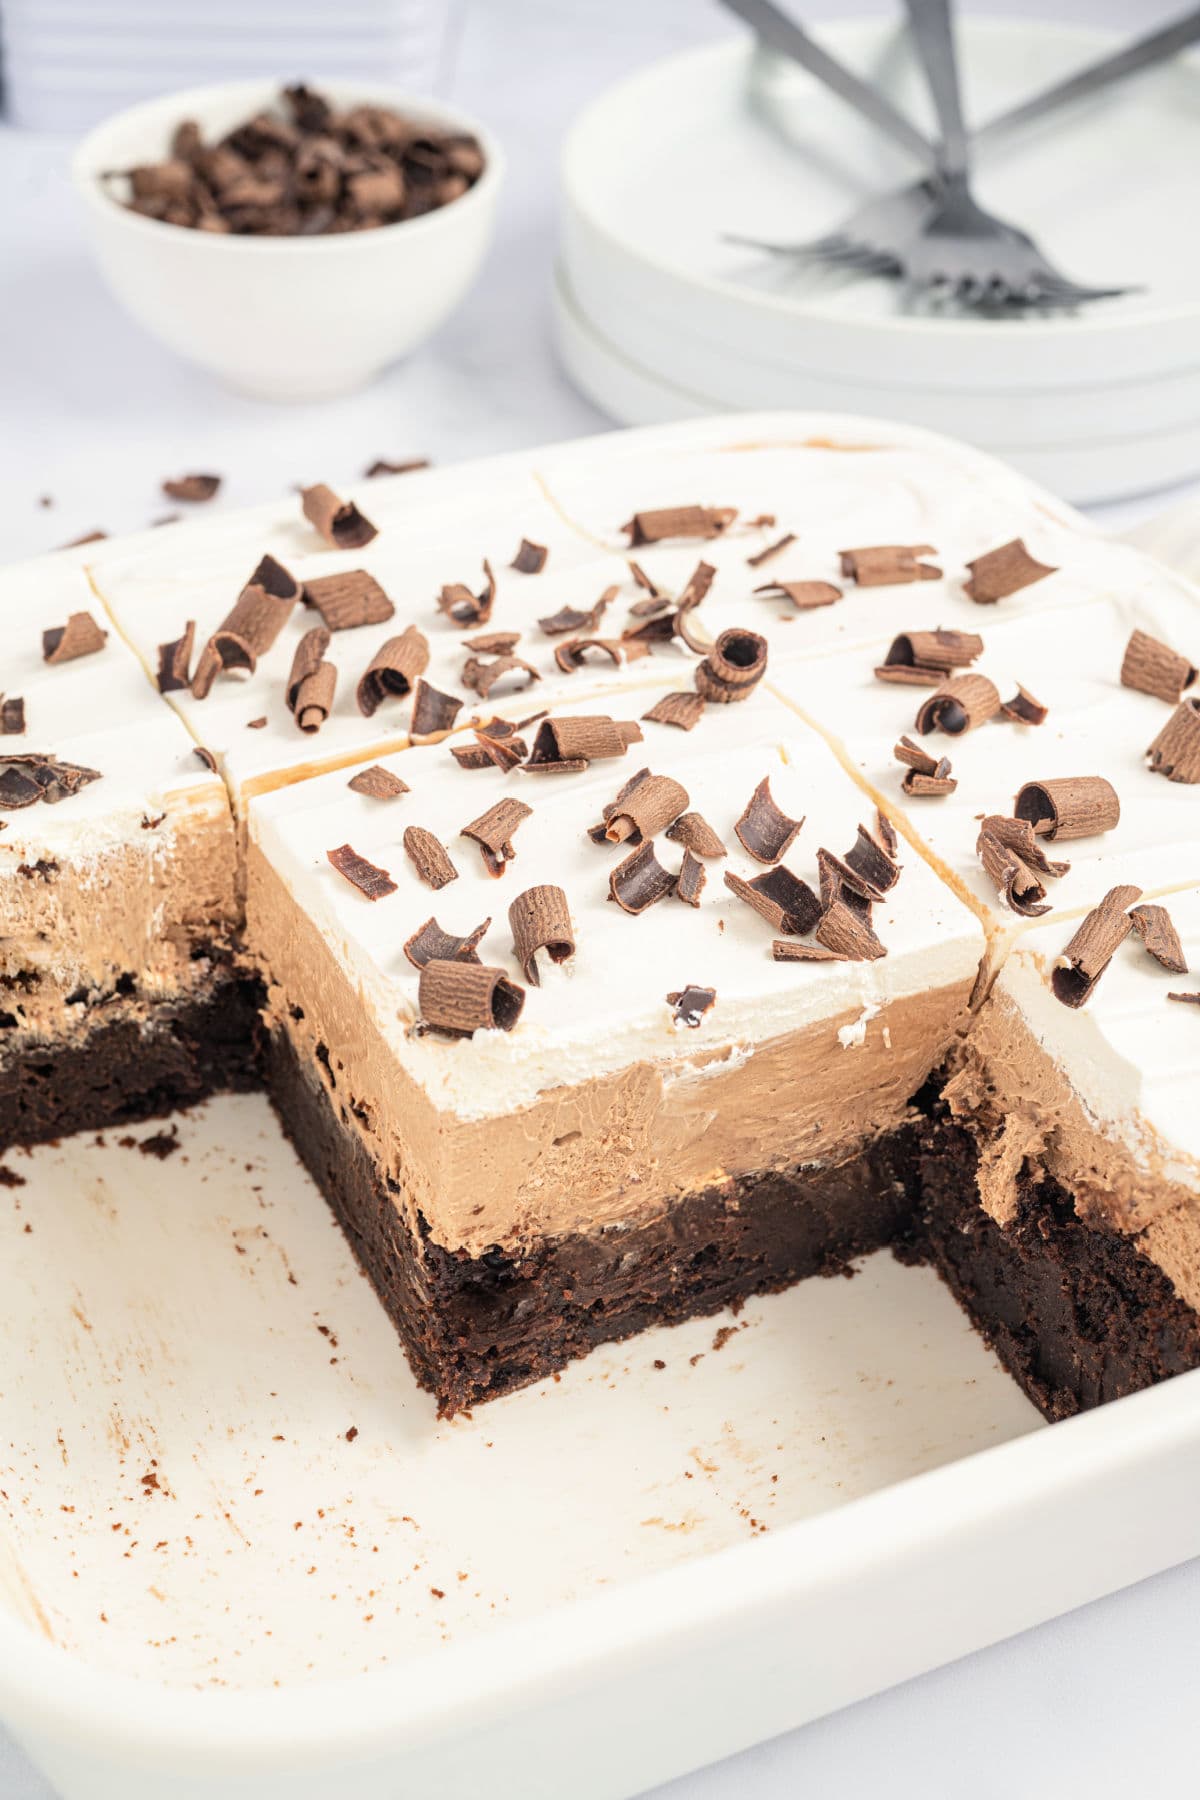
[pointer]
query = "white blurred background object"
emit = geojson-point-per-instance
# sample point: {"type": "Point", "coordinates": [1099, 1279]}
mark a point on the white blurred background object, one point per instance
{"type": "Point", "coordinates": [69, 63]}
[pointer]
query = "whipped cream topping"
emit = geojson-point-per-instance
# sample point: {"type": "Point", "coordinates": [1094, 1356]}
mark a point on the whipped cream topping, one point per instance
{"type": "Point", "coordinates": [607, 1006]}
{"type": "Point", "coordinates": [1131, 1055]}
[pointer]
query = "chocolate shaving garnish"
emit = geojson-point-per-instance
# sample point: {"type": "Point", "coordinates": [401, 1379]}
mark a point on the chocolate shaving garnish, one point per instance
{"type": "Point", "coordinates": [841, 880]}
{"type": "Point", "coordinates": [206, 757]}
{"type": "Point", "coordinates": [433, 713]}
{"type": "Point", "coordinates": [570, 619]}
{"type": "Point", "coordinates": [80, 636]}
{"type": "Point", "coordinates": [960, 704]}
{"type": "Point", "coordinates": [12, 716]}
{"type": "Point", "coordinates": [571, 652]}
{"type": "Point", "coordinates": [541, 920]}
{"type": "Point", "coordinates": [481, 677]}
{"type": "Point", "coordinates": [733, 667]}
{"type": "Point", "coordinates": [658, 627]}
{"type": "Point", "coordinates": [250, 628]}
{"type": "Point", "coordinates": [382, 467]}
{"type": "Point", "coordinates": [429, 857]}
{"type": "Point", "coordinates": [1075, 806]}
{"type": "Point", "coordinates": [647, 582]}
{"type": "Point", "coordinates": [885, 831]}
{"type": "Point", "coordinates": [377, 783]}
{"type": "Point", "coordinates": [926, 774]}
{"type": "Point", "coordinates": [868, 859]}
{"type": "Point", "coordinates": [787, 950]}
{"type": "Point", "coordinates": [256, 724]}
{"type": "Point", "coordinates": [306, 661]}
{"type": "Point", "coordinates": [678, 521]}
{"type": "Point", "coordinates": [192, 488]}
{"type": "Point", "coordinates": [689, 883]}
{"type": "Point", "coordinates": [31, 775]}
{"type": "Point", "coordinates": [683, 710]}
{"type": "Point", "coordinates": [87, 537]}
{"type": "Point", "coordinates": [348, 600]}
{"type": "Point", "coordinates": [644, 807]}
{"type": "Point", "coordinates": [375, 883]}
{"type": "Point", "coordinates": [496, 746]}
{"type": "Point", "coordinates": [696, 834]}
{"type": "Point", "coordinates": [763, 831]}
{"type": "Point", "coordinates": [465, 608]}
{"type": "Point", "coordinates": [1023, 709]}
{"type": "Point", "coordinates": [1004, 571]}
{"type": "Point", "coordinates": [493, 643]}
{"type": "Point", "coordinates": [640, 881]}
{"type": "Point", "coordinates": [762, 556]}
{"type": "Point", "coordinates": [175, 660]}
{"type": "Point", "coordinates": [271, 576]}
{"type": "Point", "coordinates": [339, 521]}
{"type": "Point", "coordinates": [786, 902]}
{"type": "Point", "coordinates": [924, 658]}
{"type": "Point", "coordinates": [460, 998]}
{"type": "Point", "coordinates": [493, 832]}
{"type": "Point", "coordinates": [1189, 998]}
{"type": "Point", "coordinates": [651, 607]}
{"type": "Point", "coordinates": [314, 694]}
{"type": "Point", "coordinates": [696, 587]}
{"type": "Point", "coordinates": [1154, 926]}
{"type": "Point", "coordinates": [17, 790]}
{"type": "Point", "coordinates": [805, 596]}
{"type": "Point", "coordinates": [472, 756]}
{"type": "Point", "coordinates": [393, 670]}
{"type": "Point", "coordinates": [1093, 947]}
{"type": "Point", "coordinates": [598, 833]}
{"type": "Point", "coordinates": [887, 565]}
{"type": "Point", "coordinates": [847, 932]}
{"type": "Point", "coordinates": [691, 1004]}
{"type": "Point", "coordinates": [432, 944]}
{"type": "Point", "coordinates": [1175, 752]}
{"type": "Point", "coordinates": [1153, 668]}
{"type": "Point", "coordinates": [568, 745]}
{"type": "Point", "coordinates": [1013, 859]}
{"type": "Point", "coordinates": [530, 558]}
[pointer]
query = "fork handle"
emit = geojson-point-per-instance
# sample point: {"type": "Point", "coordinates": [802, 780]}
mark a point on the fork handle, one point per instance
{"type": "Point", "coordinates": [774, 28]}
{"type": "Point", "coordinates": [932, 25]}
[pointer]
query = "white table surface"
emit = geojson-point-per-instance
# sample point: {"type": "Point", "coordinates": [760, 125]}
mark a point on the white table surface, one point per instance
{"type": "Point", "coordinates": [93, 415]}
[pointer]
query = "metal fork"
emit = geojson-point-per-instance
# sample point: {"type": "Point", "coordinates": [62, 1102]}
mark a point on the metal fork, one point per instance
{"type": "Point", "coordinates": [961, 251]}
{"type": "Point", "coordinates": [872, 238]}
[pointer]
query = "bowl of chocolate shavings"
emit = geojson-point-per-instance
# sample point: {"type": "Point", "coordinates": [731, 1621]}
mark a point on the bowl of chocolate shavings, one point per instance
{"type": "Point", "coordinates": [292, 241]}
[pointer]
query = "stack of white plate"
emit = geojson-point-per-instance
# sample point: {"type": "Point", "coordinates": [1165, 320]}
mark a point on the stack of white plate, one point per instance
{"type": "Point", "coordinates": [69, 63]}
{"type": "Point", "coordinates": [657, 317]}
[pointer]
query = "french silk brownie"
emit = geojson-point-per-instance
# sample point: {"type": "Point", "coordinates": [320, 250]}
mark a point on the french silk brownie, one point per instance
{"type": "Point", "coordinates": [654, 872]}
{"type": "Point", "coordinates": [118, 987]}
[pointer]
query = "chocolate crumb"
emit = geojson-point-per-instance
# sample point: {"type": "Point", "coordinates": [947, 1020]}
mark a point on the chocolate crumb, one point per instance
{"type": "Point", "coordinates": [80, 636]}
{"type": "Point", "coordinates": [87, 537]}
{"type": "Point", "coordinates": [351, 1434]}
{"type": "Point", "coordinates": [1154, 926]}
{"type": "Point", "coordinates": [377, 783]}
{"type": "Point", "coordinates": [530, 558]}
{"type": "Point", "coordinates": [691, 1004]}
{"type": "Point", "coordinates": [763, 831]}
{"type": "Point", "coordinates": [375, 883]}
{"type": "Point", "coordinates": [382, 467]}
{"type": "Point", "coordinates": [1093, 947]}
{"type": "Point", "coordinates": [160, 1144]}
{"type": "Point", "coordinates": [429, 857]}
{"type": "Point", "coordinates": [339, 521]}
{"type": "Point", "coordinates": [540, 919]}
{"type": "Point", "coordinates": [1004, 571]}
{"type": "Point", "coordinates": [193, 488]}
{"type": "Point", "coordinates": [256, 724]}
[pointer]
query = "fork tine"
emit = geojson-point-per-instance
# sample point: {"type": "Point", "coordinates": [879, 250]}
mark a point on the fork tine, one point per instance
{"type": "Point", "coordinates": [1062, 287]}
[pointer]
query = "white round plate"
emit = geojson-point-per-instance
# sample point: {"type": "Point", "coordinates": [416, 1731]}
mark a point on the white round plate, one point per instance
{"type": "Point", "coordinates": [728, 138]}
{"type": "Point", "coordinates": [1085, 472]}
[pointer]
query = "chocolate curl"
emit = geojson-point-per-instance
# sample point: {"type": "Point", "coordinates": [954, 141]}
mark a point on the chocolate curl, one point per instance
{"type": "Point", "coordinates": [194, 489]}
{"type": "Point", "coordinates": [683, 710]}
{"type": "Point", "coordinates": [461, 998]}
{"type": "Point", "coordinates": [541, 920]}
{"type": "Point", "coordinates": [924, 658]}
{"type": "Point", "coordinates": [392, 670]}
{"type": "Point", "coordinates": [696, 834]}
{"type": "Point", "coordinates": [429, 857]}
{"type": "Point", "coordinates": [248, 631]}
{"type": "Point", "coordinates": [29, 776]}
{"type": "Point", "coordinates": [784, 950]}
{"type": "Point", "coordinates": [678, 521]}
{"type": "Point", "coordinates": [960, 705]}
{"type": "Point", "coordinates": [568, 745]}
{"type": "Point", "coordinates": [691, 1004]}
{"type": "Point", "coordinates": [805, 596]}
{"type": "Point", "coordinates": [493, 832]}
{"type": "Point", "coordinates": [1152, 668]}
{"type": "Point", "coordinates": [872, 863]}
{"type": "Point", "coordinates": [733, 667]}
{"type": "Point", "coordinates": [1023, 709]}
{"type": "Point", "coordinates": [766, 554]}
{"type": "Point", "coordinates": [847, 933]}
{"type": "Point", "coordinates": [1175, 752]}
{"type": "Point", "coordinates": [640, 881]}
{"type": "Point", "coordinates": [1093, 947]}
{"type": "Point", "coordinates": [690, 882]}
{"type": "Point", "coordinates": [375, 883]}
{"type": "Point", "coordinates": [1076, 806]}
{"type": "Point", "coordinates": [481, 677]}
{"type": "Point", "coordinates": [648, 808]}
{"type": "Point", "coordinates": [377, 783]}
{"type": "Point", "coordinates": [786, 902]}
{"type": "Point", "coordinates": [1004, 571]}
{"type": "Point", "coordinates": [569, 618]}
{"type": "Point", "coordinates": [432, 944]}
{"type": "Point", "coordinates": [348, 600]}
{"type": "Point", "coordinates": [339, 521]}
{"type": "Point", "coordinates": [314, 697]}
{"type": "Point", "coordinates": [12, 715]}
{"type": "Point", "coordinates": [465, 608]}
{"type": "Point", "coordinates": [571, 652]}
{"type": "Point", "coordinates": [888, 565]}
{"type": "Point", "coordinates": [763, 831]}
{"type": "Point", "coordinates": [433, 712]}
{"type": "Point", "coordinates": [80, 636]}
{"type": "Point", "coordinates": [925, 776]}
{"type": "Point", "coordinates": [175, 660]}
{"type": "Point", "coordinates": [530, 558]}
{"type": "Point", "coordinates": [1154, 926]}
{"type": "Point", "coordinates": [309, 653]}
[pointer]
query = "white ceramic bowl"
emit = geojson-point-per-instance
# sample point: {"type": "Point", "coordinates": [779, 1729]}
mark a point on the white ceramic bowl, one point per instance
{"type": "Point", "coordinates": [282, 318]}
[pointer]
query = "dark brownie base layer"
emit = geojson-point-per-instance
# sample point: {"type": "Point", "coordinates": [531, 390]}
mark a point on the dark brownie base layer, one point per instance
{"type": "Point", "coordinates": [475, 1328]}
{"type": "Point", "coordinates": [120, 1073]}
{"type": "Point", "coordinates": [1076, 1314]}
